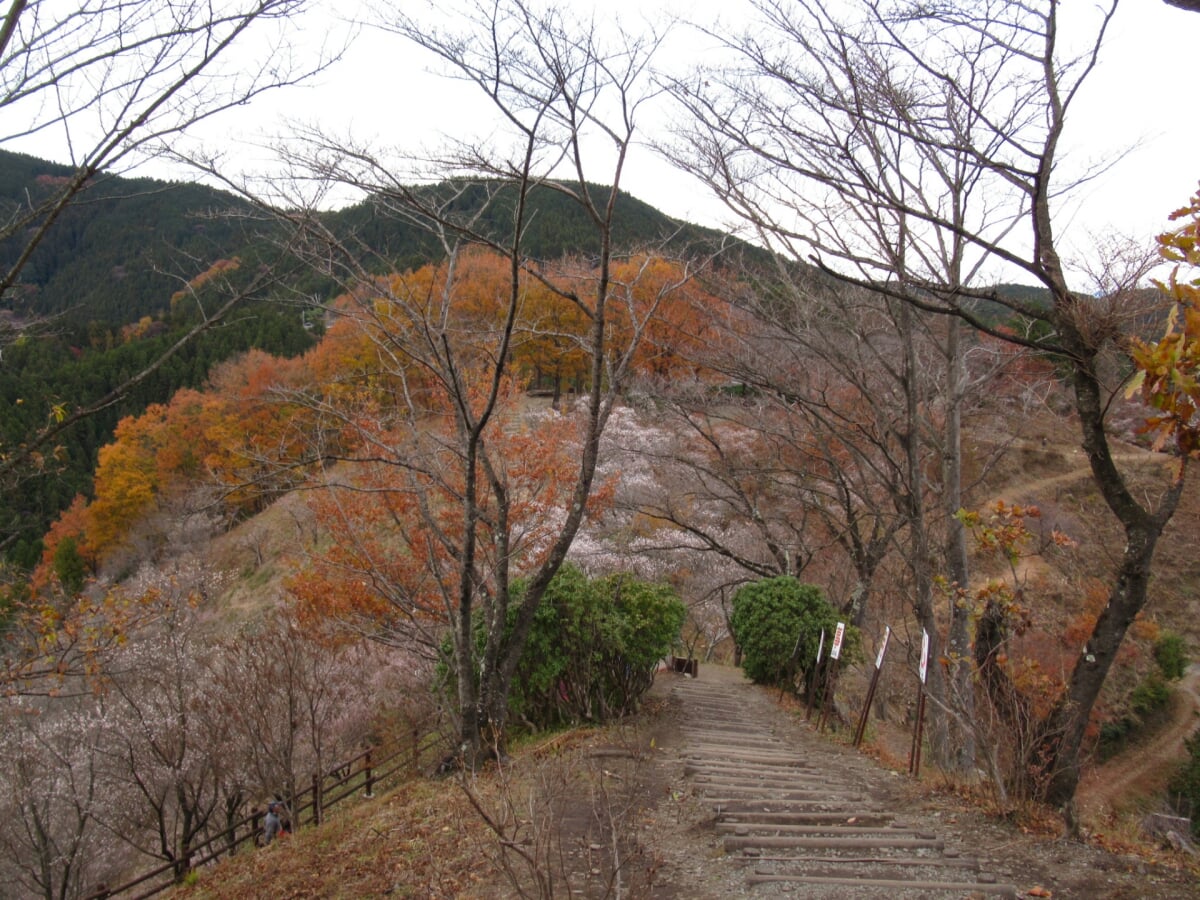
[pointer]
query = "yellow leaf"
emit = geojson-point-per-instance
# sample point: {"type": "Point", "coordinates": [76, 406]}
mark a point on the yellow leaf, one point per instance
{"type": "Point", "coordinates": [1135, 383]}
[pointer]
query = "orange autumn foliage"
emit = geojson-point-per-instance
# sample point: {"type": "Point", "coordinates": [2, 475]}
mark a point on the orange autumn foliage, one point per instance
{"type": "Point", "coordinates": [71, 524]}
{"type": "Point", "coordinates": [217, 269]}
{"type": "Point", "coordinates": [251, 428]}
{"type": "Point", "coordinates": [1168, 376]}
{"type": "Point", "coordinates": [230, 435]}
{"type": "Point", "coordinates": [674, 310]}
{"type": "Point", "coordinates": [395, 527]}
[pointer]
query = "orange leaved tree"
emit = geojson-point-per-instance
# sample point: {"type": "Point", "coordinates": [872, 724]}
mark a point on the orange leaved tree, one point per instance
{"type": "Point", "coordinates": [444, 488]}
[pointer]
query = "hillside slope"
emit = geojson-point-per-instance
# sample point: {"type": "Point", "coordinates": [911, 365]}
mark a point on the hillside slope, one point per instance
{"type": "Point", "coordinates": [586, 798]}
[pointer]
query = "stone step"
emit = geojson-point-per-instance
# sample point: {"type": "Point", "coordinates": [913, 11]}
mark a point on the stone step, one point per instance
{"type": "Point", "coordinates": [873, 819]}
{"type": "Point", "coordinates": [721, 756]}
{"type": "Point", "coordinates": [733, 779]}
{"type": "Point", "coordinates": [820, 800]}
{"type": "Point", "coordinates": [748, 828]}
{"type": "Point", "coordinates": [797, 813]}
{"type": "Point", "coordinates": [925, 888]}
{"type": "Point", "coordinates": [745, 842]}
{"type": "Point", "coordinates": [748, 809]}
{"type": "Point", "coordinates": [835, 865]}
{"type": "Point", "coordinates": [732, 737]}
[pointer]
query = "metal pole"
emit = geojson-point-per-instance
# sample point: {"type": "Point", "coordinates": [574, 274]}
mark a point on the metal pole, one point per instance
{"type": "Point", "coordinates": [812, 691]}
{"type": "Point", "coordinates": [816, 676]}
{"type": "Point", "coordinates": [914, 757]}
{"type": "Point", "coordinates": [862, 719]}
{"type": "Point", "coordinates": [826, 695]}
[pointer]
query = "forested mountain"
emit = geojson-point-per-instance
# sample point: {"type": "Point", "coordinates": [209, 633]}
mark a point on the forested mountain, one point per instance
{"type": "Point", "coordinates": [127, 246]}
{"type": "Point", "coordinates": [121, 251]}
{"type": "Point", "coordinates": [105, 277]}
{"type": "Point", "coordinates": [555, 227]}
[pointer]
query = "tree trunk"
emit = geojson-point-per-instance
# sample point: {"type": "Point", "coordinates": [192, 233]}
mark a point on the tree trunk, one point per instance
{"type": "Point", "coordinates": [961, 693]}
{"type": "Point", "coordinates": [1057, 753]}
{"type": "Point", "coordinates": [919, 549]}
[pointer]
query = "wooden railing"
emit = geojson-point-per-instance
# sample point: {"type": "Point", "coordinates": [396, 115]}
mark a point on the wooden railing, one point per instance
{"type": "Point", "coordinates": [308, 807]}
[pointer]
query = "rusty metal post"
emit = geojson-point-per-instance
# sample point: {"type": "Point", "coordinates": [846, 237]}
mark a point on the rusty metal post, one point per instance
{"type": "Point", "coordinates": [827, 695]}
{"type": "Point", "coordinates": [862, 720]}
{"type": "Point", "coordinates": [914, 757]}
{"type": "Point", "coordinates": [835, 653]}
{"type": "Point", "coordinates": [812, 681]}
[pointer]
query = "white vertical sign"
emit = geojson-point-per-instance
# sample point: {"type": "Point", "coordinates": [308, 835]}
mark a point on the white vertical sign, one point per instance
{"type": "Point", "coordinates": [924, 667]}
{"type": "Point", "coordinates": [887, 633]}
{"type": "Point", "coordinates": [821, 646]}
{"type": "Point", "coordinates": [838, 634]}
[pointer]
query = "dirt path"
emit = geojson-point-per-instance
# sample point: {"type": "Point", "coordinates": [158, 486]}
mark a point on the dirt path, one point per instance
{"type": "Point", "coordinates": [1039, 486]}
{"type": "Point", "coordinates": [746, 799]}
{"type": "Point", "coordinates": [1145, 769]}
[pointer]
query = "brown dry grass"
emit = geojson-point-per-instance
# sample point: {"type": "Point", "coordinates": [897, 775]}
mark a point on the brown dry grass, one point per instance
{"type": "Point", "coordinates": [421, 839]}
{"type": "Point", "coordinates": [428, 838]}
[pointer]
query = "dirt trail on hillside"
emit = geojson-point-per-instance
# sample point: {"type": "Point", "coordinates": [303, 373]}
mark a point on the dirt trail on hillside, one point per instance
{"type": "Point", "coordinates": [1143, 770]}
{"type": "Point", "coordinates": [1039, 486]}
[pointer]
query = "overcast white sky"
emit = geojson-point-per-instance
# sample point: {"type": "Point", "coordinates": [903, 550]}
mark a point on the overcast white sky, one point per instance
{"type": "Point", "coordinates": [1141, 97]}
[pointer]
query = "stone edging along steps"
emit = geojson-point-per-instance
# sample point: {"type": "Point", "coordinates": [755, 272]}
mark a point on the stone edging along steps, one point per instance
{"type": "Point", "coordinates": [795, 813]}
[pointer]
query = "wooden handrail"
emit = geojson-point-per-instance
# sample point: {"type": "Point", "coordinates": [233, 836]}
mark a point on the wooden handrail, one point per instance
{"type": "Point", "coordinates": [377, 768]}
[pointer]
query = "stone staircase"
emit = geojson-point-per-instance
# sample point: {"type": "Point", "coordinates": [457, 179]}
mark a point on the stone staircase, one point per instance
{"type": "Point", "coordinates": [805, 818]}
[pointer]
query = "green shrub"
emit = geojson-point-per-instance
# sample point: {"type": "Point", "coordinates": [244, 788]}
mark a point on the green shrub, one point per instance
{"type": "Point", "coordinates": [1150, 697]}
{"type": "Point", "coordinates": [592, 650]}
{"type": "Point", "coordinates": [777, 623]}
{"type": "Point", "coordinates": [1147, 704]}
{"type": "Point", "coordinates": [1170, 652]}
{"type": "Point", "coordinates": [69, 565]}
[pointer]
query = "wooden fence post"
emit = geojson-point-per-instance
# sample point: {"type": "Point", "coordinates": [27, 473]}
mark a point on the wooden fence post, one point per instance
{"type": "Point", "coordinates": [370, 779]}
{"type": "Point", "coordinates": [316, 788]}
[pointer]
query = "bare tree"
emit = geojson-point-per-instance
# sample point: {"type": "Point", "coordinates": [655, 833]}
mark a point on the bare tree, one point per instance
{"type": "Point", "coordinates": [51, 844]}
{"type": "Point", "coordinates": [988, 85]}
{"type": "Point", "coordinates": [112, 83]}
{"type": "Point", "coordinates": [442, 463]}
{"type": "Point", "coordinates": [293, 699]}
{"type": "Point", "coordinates": [166, 748]}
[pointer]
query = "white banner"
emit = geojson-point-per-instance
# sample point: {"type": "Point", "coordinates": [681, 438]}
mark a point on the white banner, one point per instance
{"type": "Point", "coordinates": [838, 634]}
{"type": "Point", "coordinates": [924, 667]}
{"type": "Point", "coordinates": [887, 633]}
